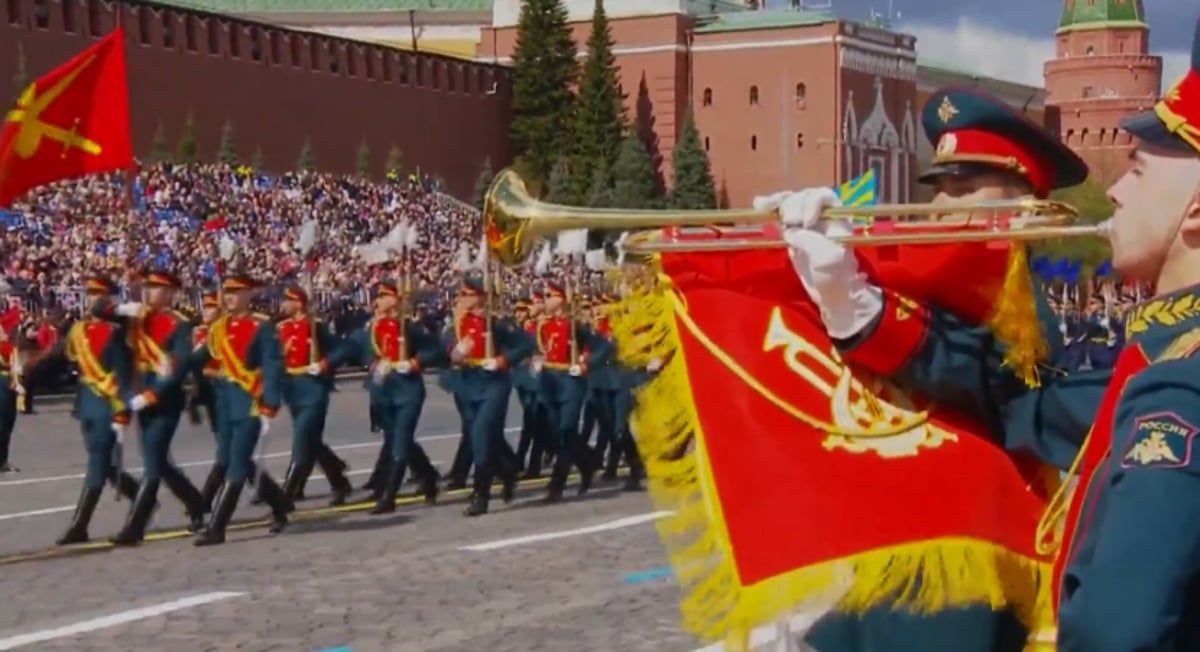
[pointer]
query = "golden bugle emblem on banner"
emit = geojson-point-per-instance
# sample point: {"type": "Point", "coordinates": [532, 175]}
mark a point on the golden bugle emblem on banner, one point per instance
{"type": "Point", "coordinates": [873, 417]}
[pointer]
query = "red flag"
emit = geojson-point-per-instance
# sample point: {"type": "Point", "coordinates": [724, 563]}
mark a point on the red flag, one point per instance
{"type": "Point", "coordinates": [69, 123]}
{"type": "Point", "coordinates": [795, 478]}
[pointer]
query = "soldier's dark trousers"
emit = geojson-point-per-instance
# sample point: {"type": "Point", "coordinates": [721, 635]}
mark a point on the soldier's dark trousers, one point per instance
{"type": "Point", "coordinates": [463, 455]}
{"type": "Point", "coordinates": [966, 629]}
{"type": "Point", "coordinates": [622, 411]}
{"type": "Point", "coordinates": [243, 434]}
{"type": "Point", "coordinates": [308, 450]}
{"type": "Point", "coordinates": [485, 410]}
{"type": "Point", "coordinates": [565, 396]}
{"type": "Point", "coordinates": [608, 442]}
{"type": "Point", "coordinates": [155, 432]}
{"type": "Point", "coordinates": [400, 420]}
{"type": "Point", "coordinates": [8, 422]}
{"type": "Point", "coordinates": [588, 420]}
{"type": "Point", "coordinates": [100, 441]}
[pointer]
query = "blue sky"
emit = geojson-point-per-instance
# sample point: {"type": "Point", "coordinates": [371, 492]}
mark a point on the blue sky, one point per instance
{"type": "Point", "coordinates": [1012, 38]}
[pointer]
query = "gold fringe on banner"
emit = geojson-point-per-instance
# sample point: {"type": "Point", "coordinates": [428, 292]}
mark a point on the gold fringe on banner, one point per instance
{"type": "Point", "coordinates": [920, 576]}
{"type": "Point", "coordinates": [1014, 320]}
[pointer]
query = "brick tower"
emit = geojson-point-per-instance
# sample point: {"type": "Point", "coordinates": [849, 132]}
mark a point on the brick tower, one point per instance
{"type": "Point", "coordinates": [1102, 71]}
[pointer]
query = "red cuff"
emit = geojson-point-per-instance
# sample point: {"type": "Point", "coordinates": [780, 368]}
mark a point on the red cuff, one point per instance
{"type": "Point", "coordinates": [501, 363]}
{"type": "Point", "coordinates": [324, 364]}
{"type": "Point", "coordinates": [121, 418]}
{"type": "Point", "coordinates": [896, 335]}
{"type": "Point", "coordinates": [268, 412]}
{"type": "Point", "coordinates": [151, 397]}
{"type": "Point", "coordinates": [414, 365]}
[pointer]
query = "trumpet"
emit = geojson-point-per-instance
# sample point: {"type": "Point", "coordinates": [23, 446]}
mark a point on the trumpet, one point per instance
{"type": "Point", "coordinates": [515, 222]}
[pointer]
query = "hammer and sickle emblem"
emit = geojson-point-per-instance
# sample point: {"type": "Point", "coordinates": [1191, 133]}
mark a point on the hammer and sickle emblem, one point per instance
{"type": "Point", "coordinates": [33, 129]}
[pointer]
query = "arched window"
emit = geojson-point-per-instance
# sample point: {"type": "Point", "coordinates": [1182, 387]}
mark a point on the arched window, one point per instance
{"type": "Point", "coordinates": [706, 143]}
{"type": "Point", "coordinates": [708, 97]}
{"type": "Point", "coordinates": [801, 94]}
{"type": "Point", "coordinates": [753, 95]}
{"type": "Point", "coordinates": [754, 143]}
{"type": "Point", "coordinates": [800, 140]}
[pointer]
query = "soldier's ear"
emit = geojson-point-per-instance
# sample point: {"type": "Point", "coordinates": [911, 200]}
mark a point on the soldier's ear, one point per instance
{"type": "Point", "coordinates": [1191, 218]}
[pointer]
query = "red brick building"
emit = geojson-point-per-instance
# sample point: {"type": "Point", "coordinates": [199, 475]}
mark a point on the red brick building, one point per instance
{"type": "Point", "coordinates": [1102, 72]}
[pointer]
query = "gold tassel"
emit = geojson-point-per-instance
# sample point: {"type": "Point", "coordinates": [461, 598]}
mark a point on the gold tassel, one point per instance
{"type": "Point", "coordinates": [1014, 320]}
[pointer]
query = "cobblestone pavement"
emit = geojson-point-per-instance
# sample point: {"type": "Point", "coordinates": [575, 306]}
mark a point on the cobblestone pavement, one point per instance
{"type": "Point", "coordinates": [413, 581]}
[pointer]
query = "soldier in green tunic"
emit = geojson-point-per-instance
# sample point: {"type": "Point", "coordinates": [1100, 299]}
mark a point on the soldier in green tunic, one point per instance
{"type": "Point", "coordinates": [162, 345]}
{"type": "Point", "coordinates": [605, 385]}
{"type": "Point", "coordinates": [96, 348]}
{"type": "Point", "coordinates": [485, 358]}
{"type": "Point", "coordinates": [204, 397]}
{"type": "Point", "coordinates": [311, 356]}
{"type": "Point", "coordinates": [396, 348]}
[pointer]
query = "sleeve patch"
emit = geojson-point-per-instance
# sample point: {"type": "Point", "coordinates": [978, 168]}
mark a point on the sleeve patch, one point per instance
{"type": "Point", "coordinates": [1159, 441]}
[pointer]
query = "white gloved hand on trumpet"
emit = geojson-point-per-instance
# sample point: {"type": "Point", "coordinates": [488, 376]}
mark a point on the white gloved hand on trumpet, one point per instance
{"type": "Point", "coordinates": [828, 270]}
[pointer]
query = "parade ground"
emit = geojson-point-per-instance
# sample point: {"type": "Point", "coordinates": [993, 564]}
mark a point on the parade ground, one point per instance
{"type": "Point", "coordinates": [588, 574]}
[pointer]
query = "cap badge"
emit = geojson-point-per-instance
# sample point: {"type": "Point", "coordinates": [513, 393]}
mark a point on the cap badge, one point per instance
{"type": "Point", "coordinates": [947, 111]}
{"type": "Point", "coordinates": [947, 145]}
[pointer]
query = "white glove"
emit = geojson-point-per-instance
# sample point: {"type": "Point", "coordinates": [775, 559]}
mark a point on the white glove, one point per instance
{"type": "Point", "coordinates": [129, 309]}
{"type": "Point", "coordinates": [314, 369]}
{"type": "Point", "coordinates": [463, 347]}
{"type": "Point", "coordinates": [829, 273]}
{"type": "Point", "coordinates": [654, 365]}
{"type": "Point", "coordinates": [119, 431]}
{"type": "Point", "coordinates": [138, 403]}
{"type": "Point", "coordinates": [1062, 327]}
{"type": "Point", "coordinates": [491, 364]}
{"type": "Point", "coordinates": [801, 208]}
{"type": "Point", "coordinates": [382, 369]}
{"type": "Point", "coordinates": [537, 364]}
{"type": "Point", "coordinates": [20, 389]}
{"type": "Point", "coordinates": [404, 367]}
{"type": "Point", "coordinates": [164, 368]}
{"type": "Point", "coordinates": [1104, 322]}
{"type": "Point", "coordinates": [264, 423]}
{"type": "Point", "coordinates": [575, 370]}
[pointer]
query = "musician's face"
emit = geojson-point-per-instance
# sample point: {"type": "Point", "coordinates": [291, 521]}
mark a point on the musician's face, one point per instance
{"type": "Point", "coordinates": [1157, 214]}
{"type": "Point", "coordinates": [974, 188]}
{"type": "Point", "coordinates": [210, 313]}
{"type": "Point", "coordinates": [535, 308]}
{"type": "Point", "coordinates": [469, 301]}
{"type": "Point", "coordinates": [237, 300]}
{"type": "Point", "coordinates": [554, 303]}
{"type": "Point", "coordinates": [385, 302]}
{"type": "Point", "coordinates": [157, 295]}
{"type": "Point", "coordinates": [521, 314]}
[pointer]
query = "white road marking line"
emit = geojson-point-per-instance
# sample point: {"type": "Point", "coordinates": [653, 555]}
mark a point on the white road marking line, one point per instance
{"type": "Point", "coordinates": [184, 465]}
{"type": "Point", "coordinates": [67, 508]}
{"type": "Point", "coordinates": [628, 521]}
{"type": "Point", "coordinates": [120, 618]}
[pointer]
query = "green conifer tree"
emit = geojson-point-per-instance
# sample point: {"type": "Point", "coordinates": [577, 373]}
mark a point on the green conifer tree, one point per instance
{"type": "Point", "coordinates": [633, 177]}
{"type": "Point", "coordinates": [544, 72]}
{"type": "Point", "coordinates": [227, 150]}
{"type": "Point", "coordinates": [160, 151]}
{"type": "Point", "coordinates": [257, 161]}
{"type": "Point", "coordinates": [483, 182]}
{"type": "Point", "coordinates": [599, 194]}
{"type": "Point", "coordinates": [600, 109]}
{"type": "Point", "coordinates": [559, 185]}
{"type": "Point", "coordinates": [692, 184]}
{"type": "Point", "coordinates": [363, 162]}
{"type": "Point", "coordinates": [185, 149]}
{"type": "Point", "coordinates": [308, 159]}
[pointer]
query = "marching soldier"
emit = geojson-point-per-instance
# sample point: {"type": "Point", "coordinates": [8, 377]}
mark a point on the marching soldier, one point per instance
{"type": "Point", "coordinates": [562, 368]}
{"type": "Point", "coordinates": [1126, 574]}
{"type": "Point", "coordinates": [311, 357]}
{"type": "Point", "coordinates": [205, 396]}
{"type": "Point", "coordinates": [11, 387]}
{"type": "Point", "coordinates": [985, 151]}
{"type": "Point", "coordinates": [605, 385]}
{"type": "Point", "coordinates": [529, 446]}
{"type": "Point", "coordinates": [162, 347]}
{"type": "Point", "coordinates": [483, 384]}
{"type": "Point", "coordinates": [396, 349]}
{"type": "Point", "coordinates": [96, 348]}
{"type": "Point", "coordinates": [1104, 339]}
{"type": "Point", "coordinates": [248, 396]}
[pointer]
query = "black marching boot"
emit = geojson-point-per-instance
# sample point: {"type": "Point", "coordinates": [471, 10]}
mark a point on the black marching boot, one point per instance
{"type": "Point", "coordinates": [386, 501]}
{"type": "Point", "coordinates": [481, 496]}
{"type": "Point", "coordinates": [334, 468]}
{"type": "Point", "coordinates": [293, 483]}
{"type": "Point", "coordinates": [127, 485]}
{"type": "Point", "coordinates": [274, 496]}
{"type": "Point", "coordinates": [189, 495]}
{"type": "Point", "coordinates": [212, 483]}
{"type": "Point", "coordinates": [223, 508]}
{"type": "Point", "coordinates": [77, 532]}
{"type": "Point", "coordinates": [139, 515]}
